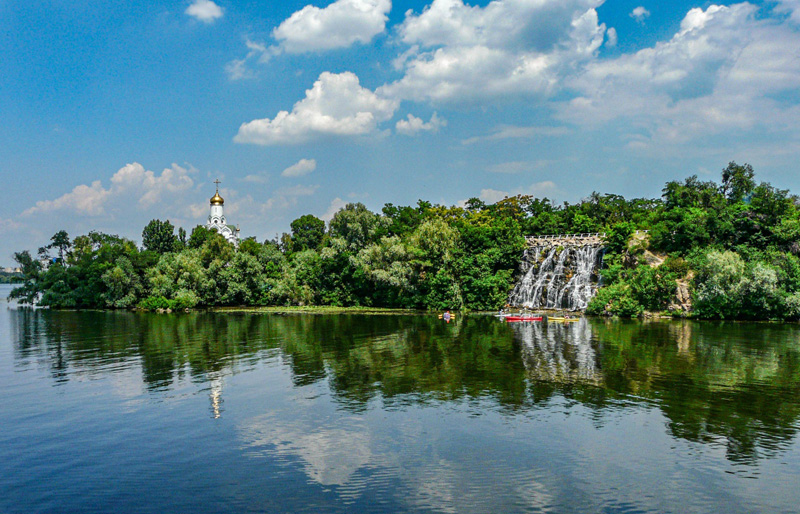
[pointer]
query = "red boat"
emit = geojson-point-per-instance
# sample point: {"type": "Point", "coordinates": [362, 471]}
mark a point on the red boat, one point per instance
{"type": "Point", "coordinates": [523, 318]}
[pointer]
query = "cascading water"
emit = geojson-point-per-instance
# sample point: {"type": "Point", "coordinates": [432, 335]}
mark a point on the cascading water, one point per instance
{"type": "Point", "coordinates": [556, 277]}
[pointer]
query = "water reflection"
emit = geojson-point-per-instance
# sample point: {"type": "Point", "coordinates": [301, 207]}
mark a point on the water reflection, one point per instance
{"type": "Point", "coordinates": [734, 385]}
{"type": "Point", "coordinates": [559, 352]}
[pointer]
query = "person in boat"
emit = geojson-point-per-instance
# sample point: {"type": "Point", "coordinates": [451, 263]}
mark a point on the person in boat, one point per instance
{"type": "Point", "coordinates": [446, 316]}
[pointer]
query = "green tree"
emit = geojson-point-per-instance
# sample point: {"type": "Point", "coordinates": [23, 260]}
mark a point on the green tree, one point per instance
{"type": "Point", "coordinates": [31, 272]}
{"type": "Point", "coordinates": [307, 233]}
{"type": "Point", "coordinates": [61, 242]}
{"type": "Point", "coordinates": [737, 181]}
{"type": "Point", "coordinates": [198, 237]}
{"type": "Point", "coordinates": [357, 225]}
{"type": "Point", "coordinates": [159, 237]}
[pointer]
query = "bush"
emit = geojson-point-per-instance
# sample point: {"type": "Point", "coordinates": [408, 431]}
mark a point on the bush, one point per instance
{"type": "Point", "coordinates": [676, 265]}
{"type": "Point", "coordinates": [615, 300]}
{"type": "Point", "coordinates": [154, 303]}
{"type": "Point", "coordinates": [653, 288]}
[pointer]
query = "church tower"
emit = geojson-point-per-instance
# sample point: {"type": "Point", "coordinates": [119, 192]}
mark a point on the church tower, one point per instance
{"type": "Point", "coordinates": [216, 219]}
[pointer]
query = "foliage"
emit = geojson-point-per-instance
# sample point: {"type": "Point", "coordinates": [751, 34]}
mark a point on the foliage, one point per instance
{"type": "Point", "coordinates": [307, 233]}
{"type": "Point", "coordinates": [736, 243]}
{"type": "Point", "coordinates": [729, 288]}
{"type": "Point", "coordinates": [617, 299]}
{"type": "Point", "coordinates": [61, 242]}
{"type": "Point", "coordinates": [159, 236]}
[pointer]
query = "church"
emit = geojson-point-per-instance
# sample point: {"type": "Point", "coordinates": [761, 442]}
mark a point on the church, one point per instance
{"type": "Point", "coordinates": [216, 219]}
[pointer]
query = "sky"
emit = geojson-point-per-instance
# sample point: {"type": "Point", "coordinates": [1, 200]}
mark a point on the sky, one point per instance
{"type": "Point", "coordinates": [116, 113]}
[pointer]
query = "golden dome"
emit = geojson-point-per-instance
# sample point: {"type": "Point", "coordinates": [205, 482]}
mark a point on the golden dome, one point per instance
{"type": "Point", "coordinates": [217, 199]}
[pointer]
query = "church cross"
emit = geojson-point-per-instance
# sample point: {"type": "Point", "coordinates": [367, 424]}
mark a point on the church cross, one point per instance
{"type": "Point", "coordinates": [217, 183]}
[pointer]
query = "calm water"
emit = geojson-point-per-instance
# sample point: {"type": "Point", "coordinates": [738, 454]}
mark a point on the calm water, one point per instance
{"type": "Point", "coordinates": [202, 413]}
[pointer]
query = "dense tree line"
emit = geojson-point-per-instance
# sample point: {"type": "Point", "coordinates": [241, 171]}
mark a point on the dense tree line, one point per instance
{"type": "Point", "coordinates": [735, 245]}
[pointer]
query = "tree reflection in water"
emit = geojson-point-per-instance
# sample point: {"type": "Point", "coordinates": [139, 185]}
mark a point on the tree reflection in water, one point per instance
{"type": "Point", "coordinates": [733, 383]}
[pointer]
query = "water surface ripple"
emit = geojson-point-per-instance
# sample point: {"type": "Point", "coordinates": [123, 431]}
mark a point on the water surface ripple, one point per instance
{"type": "Point", "coordinates": [222, 412]}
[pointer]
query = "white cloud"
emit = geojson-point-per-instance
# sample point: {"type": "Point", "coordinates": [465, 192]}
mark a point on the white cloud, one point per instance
{"type": "Point", "coordinates": [470, 73]}
{"type": "Point", "coordinates": [639, 14]}
{"type": "Point", "coordinates": [536, 25]}
{"type": "Point", "coordinates": [611, 35]}
{"type": "Point", "coordinates": [412, 125]}
{"type": "Point", "coordinates": [491, 196]}
{"type": "Point", "coordinates": [792, 7]}
{"type": "Point", "coordinates": [257, 53]}
{"type": "Point", "coordinates": [300, 168]}
{"type": "Point", "coordinates": [515, 132]}
{"type": "Point", "coordinates": [204, 10]}
{"type": "Point", "coordinates": [507, 47]}
{"type": "Point", "coordinates": [9, 225]}
{"type": "Point", "coordinates": [83, 199]}
{"type": "Point", "coordinates": [131, 181]}
{"type": "Point", "coordinates": [723, 71]}
{"type": "Point", "coordinates": [257, 178]}
{"type": "Point", "coordinates": [335, 105]}
{"type": "Point", "coordinates": [339, 25]}
{"type": "Point", "coordinates": [335, 206]}
{"type": "Point", "coordinates": [151, 188]}
{"type": "Point", "coordinates": [237, 69]}
{"type": "Point", "coordinates": [312, 29]}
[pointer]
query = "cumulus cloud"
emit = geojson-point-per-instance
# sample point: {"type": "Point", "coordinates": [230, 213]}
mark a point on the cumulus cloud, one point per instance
{"type": "Point", "coordinates": [508, 47]}
{"type": "Point", "coordinates": [336, 105]}
{"type": "Point", "coordinates": [89, 200]}
{"type": "Point", "coordinates": [413, 125]}
{"type": "Point", "coordinates": [639, 14]}
{"type": "Point", "coordinates": [204, 10]}
{"type": "Point", "coordinates": [149, 186]}
{"type": "Point", "coordinates": [300, 168]}
{"type": "Point", "coordinates": [130, 181]}
{"type": "Point", "coordinates": [723, 70]}
{"type": "Point", "coordinates": [312, 29]}
{"type": "Point", "coordinates": [339, 25]}
{"type": "Point", "coordinates": [335, 206]}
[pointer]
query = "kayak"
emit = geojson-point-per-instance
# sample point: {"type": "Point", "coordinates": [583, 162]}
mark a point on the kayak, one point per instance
{"type": "Point", "coordinates": [451, 316]}
{"type": "Point", "coordinates": [556, 318]}
{"type": "Point", "coordinates": [523, 318]}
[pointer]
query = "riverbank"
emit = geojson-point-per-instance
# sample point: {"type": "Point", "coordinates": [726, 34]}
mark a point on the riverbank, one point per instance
{"type": "Point", "coordinates": [321, 309]}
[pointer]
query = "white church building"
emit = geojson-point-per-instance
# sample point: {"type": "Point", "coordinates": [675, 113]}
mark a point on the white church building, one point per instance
{"type": "Point", "coordinates": [216, 219]}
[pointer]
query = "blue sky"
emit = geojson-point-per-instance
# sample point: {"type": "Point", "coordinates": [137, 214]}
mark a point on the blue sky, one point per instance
{"type": "Point", "coordinates": [115, 113]}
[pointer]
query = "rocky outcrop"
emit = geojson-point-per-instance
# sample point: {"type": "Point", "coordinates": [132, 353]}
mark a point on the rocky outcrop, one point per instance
{"type": "Point", "coordinates": [683, 298]}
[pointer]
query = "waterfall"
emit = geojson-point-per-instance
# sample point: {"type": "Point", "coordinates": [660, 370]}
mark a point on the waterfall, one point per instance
{"type": "Point", "coordinates": [557, 277]}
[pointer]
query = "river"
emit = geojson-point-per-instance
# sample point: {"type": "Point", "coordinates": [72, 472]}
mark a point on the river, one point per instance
{"type": "Point", "coordinates": [224, 412]}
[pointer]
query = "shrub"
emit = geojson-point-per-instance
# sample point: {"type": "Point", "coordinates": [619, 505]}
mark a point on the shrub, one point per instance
{"type": "Point", "coordinates": [615, 300]}
{"type": "Point", "coordinates": [676, 265]}
{"type": "Point", "coordinates": [153, 303]}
